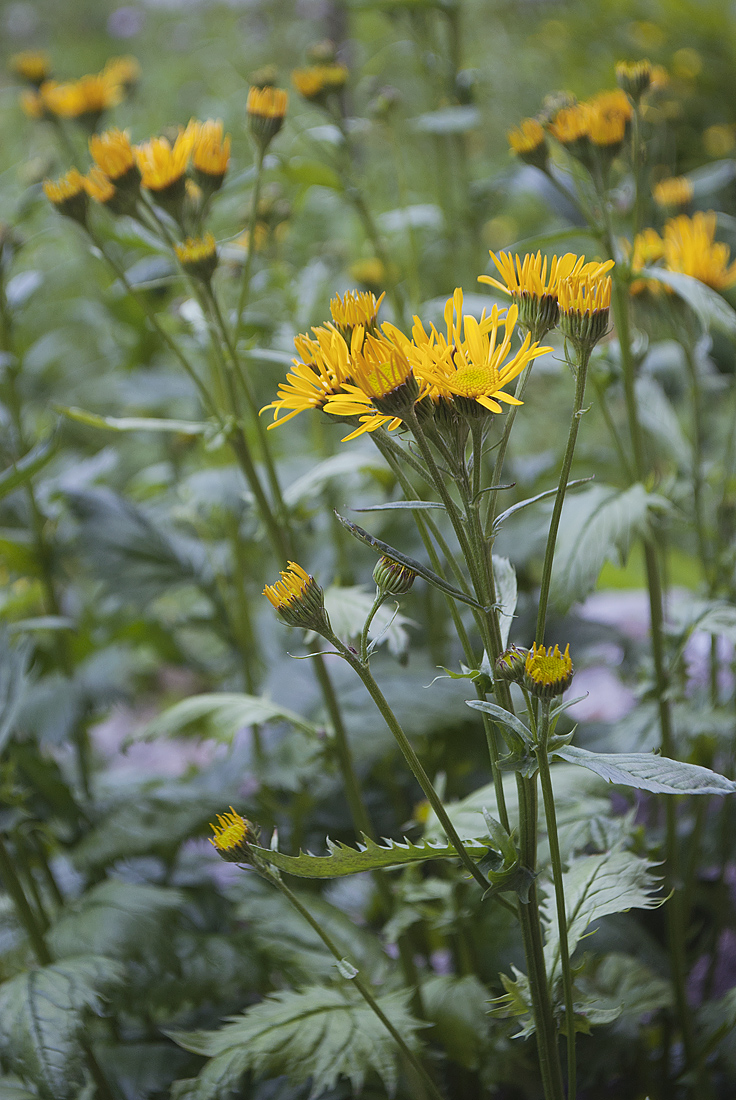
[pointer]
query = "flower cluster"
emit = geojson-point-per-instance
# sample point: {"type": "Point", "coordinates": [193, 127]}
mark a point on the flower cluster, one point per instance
{"type": "Point", "coordinates": [376, 376]}
{"type": "Point", "coordinates": [84, 100]}
{"type": "Point", "coordinates": [687, 245]}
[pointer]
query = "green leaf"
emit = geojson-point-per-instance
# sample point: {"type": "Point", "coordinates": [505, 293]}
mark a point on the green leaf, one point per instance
{"type": "Point", "coordinates": [597, 526]}
{"type": "Point", "coordinates": [369, 856]}
{"type": "Point", "coordinates": [318, 1033]}
{"type": "Point", "coordinates": [343, 465]}
{"type": "Point", "coordinates": [14, 679]}
{"type": "Point", "coordinates": [659, 420]}
{"type": "Point", "coordinates": [43, 1021]}
{"type": "Point", "coordinates": [648, 772]}
{"type": "Point", "coordinates": [504, 575]}
{"type": "Point", "coordinates": [27, 467]}
{"type": "Point", "coordinates": [411, 563]}
{"type": "Point", "coordinates": [402, 505]}
{"type": "Point", "coordinates": [712, 310]}
{"type": "Point", "coordinates": [12, 1088]}
{"type": "Point", "coordinates": [500, 519]}
{"type": "Point", "coordinates": [311, 173]}
{"type": "Point", "coordinates": [503, 718]}
{"type": "Point", "coordinates": [447, 120]}
{"type": "Point", "coordinates": [115, 919]}
{"type": "Point", "coordinates": [221, 715]}
{"type": "Point", "coordinates": [457, 1009]}
{"type": "Point", "coordinates": [596, 886]}
{"type": "Point", "coordinates": [348, 609]}
{"type": "Point", "coordinates": [134, 423]}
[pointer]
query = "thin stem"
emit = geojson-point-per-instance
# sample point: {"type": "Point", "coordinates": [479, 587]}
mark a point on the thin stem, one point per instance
{"type": "Point", "coordinates": [549, 553]}
{"type": "Point", "coordinates": [358, 982]}
{"type": "Point", "coordinates": [248, 265]}
{"type": "Point", "coordinates": [557, 877]}
{"type": "Point", "coordinates": [22, 907]}
{"type": "Point", "coordinates": [502, 447]}
{"type": "Point", "coordinates": [380, 599]}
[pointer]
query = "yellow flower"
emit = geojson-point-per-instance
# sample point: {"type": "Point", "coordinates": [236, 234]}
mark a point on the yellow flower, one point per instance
{"type": "Point", "coordinates": [357, 307]}
{"type": "Point", "coordinates": [83, 99]}
{"type": "Point", "coordinates": [584, 306]}
{"type": "Point", "coordinates": [31, 65]}
{"type": "Point", "coordinates": [68, 194]}
{"type": "Point", "coordinates": [648, 248]}
{"type": "Point", "coordinates": [319, 375]}
{"type": "Point", "coordinates": [114, 155]}
{"type": "Point", "coordinates": [371, 272]}
{"type": "Point", "coordinates": [211, 152]}
{"type": "Point", "coordinates": [528, 142]}
{"type": "Point", "coordinates": [382, 390]}
{"type": "Point", "coordinates": [319, 81]}
{"type": "Point", "coordinates": [233, 836]}
{"type": "Point", "coordinates": [634, 77]}
{"type": "Point", "coordinates": [98, 186]}
{"type": "Point", "coordinates": [690, 247]}
{"type": "Point", "coordinates": [163, 165]}
{"type": "Point", "coordinates": [198, 255]}
{"type": "Point", "coordinates": [608, 115]}
{"type": "Point", "coordinates": [548, 672]}
{"type": "Point", "coordinates": [673, 191]}
{"type": "Point", "coordinates": [533, 287]}
{"type": "Point", "coordinates": [125, 71]}
{"type": "Point", "coordinates": [478, 366]}
{"type": "Point", "coordinates": [266, 110]}
{"type": "Point", "coordinates": [298, 599]}
{"type": "Point", "coordinates": [570, 124]}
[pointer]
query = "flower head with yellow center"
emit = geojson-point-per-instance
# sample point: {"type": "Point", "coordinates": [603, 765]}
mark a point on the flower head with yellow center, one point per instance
{"type": "Point", "coordinates": [31, 65]}
{"type": "Point", "coordinates": [163, 165]}
{"type": "Point", "coordinates": [478, 362]}
{"type": "Point", "coordinates": [298, 599]}
{"type": "Point", "coordinates": [609, 113]}
{"type": "Point", "coordinates": [382, 390]}
{"type": "Point", "coordinates": [317, 376]}
{"type": "Point", "coordinates": [585, 301]}
{"type": "Point", "coordinates": [547, 671]}
{"type": "Point", "coordinates": [634, 77]}
{"type": "Point", "coordinates": [528, 142]}
{"type": "Point", "coordinates": [233, 836]}
{"type": "Point", "coordinates": [690, 247]}
{"type": "Point", "coordinates": [84, 99]}
{"type": "Point", "coordinates": [211, 153]}
{"type": "Point", "coordinates": [114, 155]}
{"type": "Point", "coordinates": [317, 82]}
{"type": "Point", "coordinates": [570, 124]}
{"type": "Point", "coordinates": [68, 194]}
{"type": "Point", "coordinates": [266, 110]}
{"type": "Point", "coordinates": [357, 307]}
{"type": "Point", "coordinates": [198, 256]}
{"type": "Point", "coordinates": [98, 187]}
{"type": "Point", "coordinates": [532, 284]}
{"type": "Point", "coordinates": [673, 191]}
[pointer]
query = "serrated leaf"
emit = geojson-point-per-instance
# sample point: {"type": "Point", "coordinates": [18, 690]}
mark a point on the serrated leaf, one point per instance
{"type": "Point", "coordinates": [42, 1021]}
{"type": "Point", "coordinates": [647, 772]}
{"type": "Point", "coordinates": [133, 423]}
{"type": "Point", "coordinates": [318, 1033]}
{"type": "Point", "coordinates": [221, 715]}
{"type": "Point", "coordinates": [369, 856]}
{"type": "Point", "coordinates": [114, 919]}
{"type": "Point", "coordinates": [348, 608]}
{"type": "Point", "coordinates": [503, 718]}
{"type": "Point", "coordinates": [402, 506]}
{"type": "Point", "coordinates": [457, 1008]}
{"type": "Point", "coordinates": [712, 310]}
{"type": "Point", "coordinates": [12, 1088]}
{"type": "Point", "coordinates": [710, 616]}
{"type": "Point", "coordinates": [597, 526]}
{"type": "Point", "coordinates": [596, 886]}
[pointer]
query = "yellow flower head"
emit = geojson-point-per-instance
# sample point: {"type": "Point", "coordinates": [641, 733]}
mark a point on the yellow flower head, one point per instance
{"type": "Point", "coordinates": [357, 307]}
{"type": "Point", "coordinates": [648, 248]}
{"type": "Point", "coordinates": [211, 151]}
{"type": "Point", "coordinates": [68, 194]}
{"type": "Point", "coordinates": [371, 272]}
{"type": "Point", "coordinates": [266, 110]}
{"type": "Point", "coordinates": [98, 186]}
{"type": "Point", "coordinates": [634, 77]}
{"type": "Point", "coordinates": [84, 99]}
{"type": "Point", "coordinates": [317, 376]}
{"type": "Point", "coordinates": [528, 142]}
{"type": "Point", "coordinates": [233, 836]}
{"type": "Point", "coordinates": [298, 599]}
{"type": "Point", "coordinates": [477, 362]}
{"type": "Point", "coordinates": [34, 66]}
{"type": "Point", "coordinates": [673, 191]}
{"type": "Point", "coordinates": [533, 285]}
{"type": "Point", "coordinates": [114, 155]}
{"type": "Point", "coordinates": [608, 115]}
{"type": "Point", "coordinates": [690, 247]}
{"type": "Point", "coordinates": [163, 165]}
{"type": "Point", "coordinates": [198, 255]}
{"type": "Point", "coordinates": [570, 125]}
{"type": "Point", "coordinates": [381, 389]}
{"type": "Point", "coordinates": [319, 81]}
{"type": "Point", "coordinates": [548, 672]}
{"type": "Point", "coordinates": [584, 305]}
{"type": "Point", "coordinates": [125, 71]}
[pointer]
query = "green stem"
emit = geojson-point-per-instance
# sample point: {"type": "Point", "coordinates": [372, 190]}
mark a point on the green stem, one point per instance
{"type": "Point", "coordinates": [557, 877]}
{"type": "Point", "coordinates": [358, 982]}
{"type": "Point", "coordinates": [22, 906]}
{"type": "Point", "coordinates": [549, 553]}
{"type": "Point", "coordinates": [248, 265]}
{"type": "Point", "coordinates": [502, 447]}
{"type": "Point", "coordinates": [380, 599]}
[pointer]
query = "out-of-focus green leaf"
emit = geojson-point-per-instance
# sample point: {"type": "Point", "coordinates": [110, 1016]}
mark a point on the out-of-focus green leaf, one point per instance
{"type": "Point", "coordinates": [447, 120]}
{"type": "Point", "coordinates": [27, 467]}
{"type": "Point", "coordinates": [134, 423]}
{"type": "Point", "coordinates": [115, 919]}
{"type": "Point", "coordinates": [457, 1009]}
{"type": "Point", "coordinates": [311, 173]}
{"type": "Point", "coordinates": [343, 465]}
{"type": "Point", "coordinates": [712, 310]}
{"type": "Point", "coordinates": [14, 666]}
{"type": "Point", "coordinates": [348, 609]}
{"type": "Point", "coordinates": [318, 1033]}
{"type": "Point", "coordinates": [647, 772]}
{"type": "Point", "coordinates": [222, 715]}
{"type": "Point", "coordinates": [505, 577]}
{"type": "Point", "coordinates": [42, 1021]}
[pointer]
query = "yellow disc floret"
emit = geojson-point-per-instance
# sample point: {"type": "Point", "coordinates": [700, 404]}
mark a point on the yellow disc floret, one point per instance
{"type": "Point", "coordinates": [233, 836]}
{"type": "Point", "coordinates": [547, 671]}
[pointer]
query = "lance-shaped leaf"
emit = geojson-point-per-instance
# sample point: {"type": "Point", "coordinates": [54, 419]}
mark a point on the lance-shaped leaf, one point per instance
{"type": "Point", "coordinates": [28, 466]}
{"type": "Point", "coordinates": [411, 563]}
{"type": "Point", "coordinates": [712, 310]}
{"type": "Point", "coordinates": [501, 519]}
{"type": "Point", "coordinates": [402, 505]}
{"type": "Point", "coordinates": [505, 719]}
{"type": "Point", "coordinates": [222, 714]}
{"type": "Point", "coordinates": [647, 772]}
{"type": "Point", "coordinates": [134, 423]}
{"type": "Point", "coordinates": [368, 856]}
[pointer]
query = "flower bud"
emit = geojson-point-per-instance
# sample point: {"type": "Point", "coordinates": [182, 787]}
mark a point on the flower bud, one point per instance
{"type": "Point", "coordinates": [198, 256]}
{"type": "Point", "coordinates": [266, 110]}
{"type": "Point", "coordinates": [510, 664]}
{"type": "Point", "coordinates": [634, 77]}
{"type": "Point", "coordinates": [233, 836]}
{"type": "Point", "coordinates": [299, 600]}
{"type": "Point", "coordinates": [547, 672]}
{"type": "Point", "coordinates": [392, 578]}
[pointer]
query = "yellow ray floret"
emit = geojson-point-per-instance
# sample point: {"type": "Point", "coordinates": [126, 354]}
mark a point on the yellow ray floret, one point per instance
{"type": "Point", "coordinates": [233, 836]}
{"type": "Point", "coordinates": [673, 191]}
{"type": "Point", "coordinates": [318, 375]}
{"type": "Point", "coordinates": [548, 672]}
{"type": "Point", "coordinates": [33, 66]}
{"type": "Point", "coordinates": [382, 385]}
{"type": "Point", "coordinates": [527, 137]}
{"type": "Point", "coordinates": [690, 247]}
{"type": "Point", "coordinates": [66, 187]}
{"type": "Point", "coordinates": [267, 102]}
{"type": "Point", "coordinates": [211, 151]}
{"type": "Point", "coordinates": [532, 276]}
{"type": "Point", "coordinates": [583, 294]}
{"type": "Point", "coordinates": [125, 71]}
{"type": "Point", "coordinates": [570, 124]}
{"type": "Point", "coordinates": [319, 80]}
{"type": "Point", "coordinates": [112, 153]}
{"type": "Point", "coordinates": [290, 589]}
{"type": "Point", "coordinates": [608, 116]}
{"type": "Point", "coordinates": [98, 186]}
{"type": "Point", "coordinates": [357, 307]}
{"type": "Point", "coordinates": [162, 164]}
{"type": "Point", "coordinates": [90, 95]}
